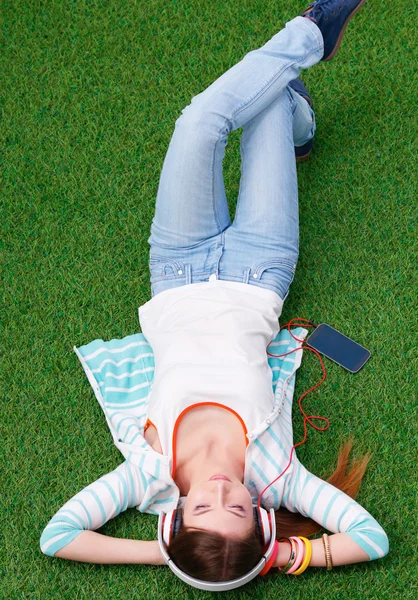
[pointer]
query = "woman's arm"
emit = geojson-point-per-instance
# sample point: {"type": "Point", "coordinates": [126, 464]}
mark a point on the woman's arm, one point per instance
{"type": "Point", "coordinates": [90, 509]}
{"type": "Point", "coordinates": [93, 547]}
{"type": "Point", "coordinates": [358, 536]}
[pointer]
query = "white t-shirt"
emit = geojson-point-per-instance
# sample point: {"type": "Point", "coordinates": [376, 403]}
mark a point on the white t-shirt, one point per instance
{"type": "Point", "coordinates": [209, 341]}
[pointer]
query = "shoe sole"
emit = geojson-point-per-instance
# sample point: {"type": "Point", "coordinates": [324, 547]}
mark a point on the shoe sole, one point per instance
{"type": "Point", "coordinates": [300, 159]}
{"type": "Point", "coordinates": [340, 37]}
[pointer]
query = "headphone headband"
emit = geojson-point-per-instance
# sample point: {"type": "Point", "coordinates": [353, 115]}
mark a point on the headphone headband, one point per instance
{"type": "Point", "coordinates": [267, 523]}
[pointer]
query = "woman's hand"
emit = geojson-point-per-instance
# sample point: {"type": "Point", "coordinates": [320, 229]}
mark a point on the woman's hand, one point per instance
{"type": "Point", "coordinates": [93, 547]}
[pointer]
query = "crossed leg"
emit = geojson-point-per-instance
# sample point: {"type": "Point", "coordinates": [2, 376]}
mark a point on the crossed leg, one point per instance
{"type": "Point", "coordinates": [191, 230]}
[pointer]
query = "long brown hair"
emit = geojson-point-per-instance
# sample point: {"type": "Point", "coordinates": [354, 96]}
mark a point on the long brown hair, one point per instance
{"type": "Point", "coordinates": [211, 556]}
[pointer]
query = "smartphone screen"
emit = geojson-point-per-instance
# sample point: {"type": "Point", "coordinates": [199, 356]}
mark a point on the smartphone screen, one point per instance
{"type": "Point", "coordinates": [338, 347]}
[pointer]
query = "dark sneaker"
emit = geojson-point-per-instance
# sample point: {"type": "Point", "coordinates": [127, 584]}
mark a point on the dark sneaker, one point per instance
{"type": "Point", "coordinates": [332, 17]}
{"type": "Point", "coordinates": [302, 152]}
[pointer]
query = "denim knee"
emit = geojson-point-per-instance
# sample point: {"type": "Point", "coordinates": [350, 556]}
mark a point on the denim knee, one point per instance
{"type": "Point", "coordinates": [199, 119]}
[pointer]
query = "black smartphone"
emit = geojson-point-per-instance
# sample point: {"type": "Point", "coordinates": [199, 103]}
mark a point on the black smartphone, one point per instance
{"type": "Point", "coordinates": [338, 347]}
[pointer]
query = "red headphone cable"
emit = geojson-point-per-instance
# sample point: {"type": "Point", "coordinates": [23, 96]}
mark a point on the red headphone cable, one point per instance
{"type": "Point", "coordinates": [307, 419]}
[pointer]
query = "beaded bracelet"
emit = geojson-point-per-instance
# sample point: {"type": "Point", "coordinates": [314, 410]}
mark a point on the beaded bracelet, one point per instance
{"type": "Point", "coordinates": [307, 557]}
{"type": "Point", "coordinates": [292, 556]}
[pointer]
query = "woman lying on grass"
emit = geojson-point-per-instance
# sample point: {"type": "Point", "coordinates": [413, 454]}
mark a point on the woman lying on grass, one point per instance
{"type": "Point", "coordinates": [212, 430]}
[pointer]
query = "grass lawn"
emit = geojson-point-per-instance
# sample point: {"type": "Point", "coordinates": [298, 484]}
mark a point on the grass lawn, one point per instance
{"type": "Point", "coordinates": [89, 92]}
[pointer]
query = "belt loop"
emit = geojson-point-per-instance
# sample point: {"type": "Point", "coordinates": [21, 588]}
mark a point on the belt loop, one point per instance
{"type": "Point", "coordinates": [246, 275]}
{"type": "Point", "coordinates": [188, 274]}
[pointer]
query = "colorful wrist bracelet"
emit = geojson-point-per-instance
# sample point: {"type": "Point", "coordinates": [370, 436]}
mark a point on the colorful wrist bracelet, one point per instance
{"type": "Point", "coordinates": [292, 556]}
{"type": "Point", "coordinates": [307, 557]}
{"type": "Point", "coordinates": [300, 555]}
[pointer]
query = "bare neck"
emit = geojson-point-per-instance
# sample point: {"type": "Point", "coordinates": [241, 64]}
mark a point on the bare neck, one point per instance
{"type": "Point", "coordinates": [210, 440]}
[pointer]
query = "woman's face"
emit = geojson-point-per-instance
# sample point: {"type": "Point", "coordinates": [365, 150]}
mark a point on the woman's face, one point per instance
{"type": "Point", "coordinates": [222, 504]}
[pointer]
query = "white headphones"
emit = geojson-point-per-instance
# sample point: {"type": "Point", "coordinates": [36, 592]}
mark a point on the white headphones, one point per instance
{"type": "Point", "coordinates": [169, 524]}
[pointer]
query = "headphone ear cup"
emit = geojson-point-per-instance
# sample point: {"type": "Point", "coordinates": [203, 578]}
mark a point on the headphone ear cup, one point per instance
{"type": "Point", "coordinates": [172, 524]}
{"type": "Point", "coordinates": [168, 527]}
{"type": "Point", "coordinates": [262, 525]}
{"type": "Point", "coordinates": [265, 526]}
{"type": "Point", "coordinates": [177, 522]}
{"type": "Point", "coordinates": [258, 529]}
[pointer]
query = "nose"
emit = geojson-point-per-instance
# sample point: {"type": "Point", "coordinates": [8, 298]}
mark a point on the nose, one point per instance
{"type": "Point", "coordinates": [222, 491]}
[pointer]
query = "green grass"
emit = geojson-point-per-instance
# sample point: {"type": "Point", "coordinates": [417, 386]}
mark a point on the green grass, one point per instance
{"type": "Point", "coordinates": [89, 94]}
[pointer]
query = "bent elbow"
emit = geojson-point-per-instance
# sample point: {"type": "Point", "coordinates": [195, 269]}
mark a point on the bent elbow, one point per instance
{"type": "Point", "coordinates": [380, 546]}
{"type": "Point", "coordinates": [56, 536]}
{"type": "Point", "coordinates": [45, 544]}
{"type": "Point", "coordinates": [385, 545]}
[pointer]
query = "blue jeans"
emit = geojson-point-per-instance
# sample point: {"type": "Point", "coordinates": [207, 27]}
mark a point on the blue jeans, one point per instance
{"type": "Point", "coordinates": [192, 238]}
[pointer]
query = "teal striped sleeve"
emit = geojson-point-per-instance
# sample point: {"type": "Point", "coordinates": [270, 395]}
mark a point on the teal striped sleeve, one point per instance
{"type": "Point", "coordinates": [92, 507]}
{"type": "Point", "coordinates": [334, 510]}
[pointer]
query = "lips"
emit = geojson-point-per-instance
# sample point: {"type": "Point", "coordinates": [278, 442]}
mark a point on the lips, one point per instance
{"type": "Point", "coordinates": [219, 477]}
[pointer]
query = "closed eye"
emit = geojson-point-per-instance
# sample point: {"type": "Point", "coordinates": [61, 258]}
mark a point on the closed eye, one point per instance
{"type": "Point", "coordinates": [231, 509]}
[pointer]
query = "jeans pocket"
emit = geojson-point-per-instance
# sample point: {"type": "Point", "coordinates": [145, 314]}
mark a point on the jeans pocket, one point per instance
{"type": "Point", "coordinates": [274, 265]}
{"type": "Point", "coordinates": [165, 269]}
{"type": "Point", "coordinates": [275, 274]}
